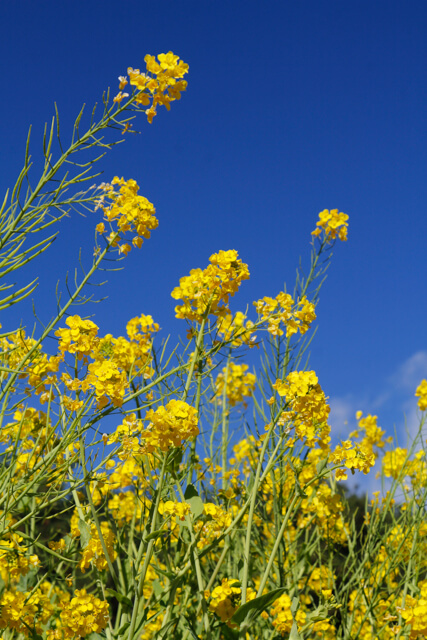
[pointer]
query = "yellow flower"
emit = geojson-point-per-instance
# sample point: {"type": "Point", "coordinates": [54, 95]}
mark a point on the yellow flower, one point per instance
{"type": "Point", "coordinates": [126, 211]}
{"type": "Point", "coordinates": [209, 290]}
{"type": "Point", "coordinates": [169, 426]}
{"type": "Point", "coordinates": [93, 553]}
{"type": "Point", "coordinates": [421, 393]}
{"type": "Point", "coordinates": [333, 224]}
{"type": "Point", "coordinates": [354, 456]}
{"type": "Point", "coordinates": [234, 327]}
{"type": "Point", "coordinates": [306, 406]}
{"type": "Point", "coordinates": [123, 82]}
{"type": "Point", "coordinates": [282, 310]}
{"type": "Point", "coordinates": [24, 612]}
{"type": "Point", "coordinates": [178, 509]}
{"type": "Point", "coordinates": [239, 384]}
{"type": "Point", "coordinates": [213, 527]}
{"type": "Point", "coordinates": [161, 83]}
{"type": "Point", "coordinates": [108, 381]}
{"type": "Point", "coordinates": [393, 462]}
{"type": "Point", "coordinates": [226, 598]}
{"type": "Point", "coordinates": [120, 96]}
{"type": "Point", "coordinates": [80, 338]}
{"type": "Point", "coordinates": [84, 614]}
{"type": "Point", "coordinates": [283, 619]}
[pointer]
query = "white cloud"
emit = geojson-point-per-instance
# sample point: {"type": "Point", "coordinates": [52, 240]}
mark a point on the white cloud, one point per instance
{"type": "Point", "coordinates": [341, 418]}
{"type": "Point", "coordinates": [395, 404]}
{"type": "Point", "coordinates": [409, 374]}
{"type": "Point", "coordinates": [412, 416]}
{"type": "Point", "coordinates": [394, 395]}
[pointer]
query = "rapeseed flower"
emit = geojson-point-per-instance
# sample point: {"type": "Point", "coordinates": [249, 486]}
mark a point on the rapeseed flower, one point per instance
{"type": "Point", "coordinates": [208, 291]}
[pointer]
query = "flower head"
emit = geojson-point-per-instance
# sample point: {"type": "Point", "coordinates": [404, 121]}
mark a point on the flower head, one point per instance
{"type": "Point", "coordinates": [333, 224]}
{"type": "Point", "coordinates": [208, 290]}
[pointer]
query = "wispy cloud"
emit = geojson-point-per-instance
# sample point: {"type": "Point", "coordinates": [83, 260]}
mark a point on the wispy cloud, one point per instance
{"type": "Point", "coordinates": [342, 416]}
{"type": "Point", "coordinates": [410, 373]}
{"type": "Point", "coordinates": [393, 401]}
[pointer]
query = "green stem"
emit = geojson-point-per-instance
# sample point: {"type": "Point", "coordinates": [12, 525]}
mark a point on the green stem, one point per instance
{"type": "Point", "coordinates": [224, 440]}
{"type": "Point", "coordinates": [149, 551]}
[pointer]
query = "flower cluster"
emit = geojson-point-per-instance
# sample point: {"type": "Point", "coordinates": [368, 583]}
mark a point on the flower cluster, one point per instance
{"type": "Point", "coordinates": [368, 427]}
{"type": "Point", "coordinates": [320, 579]}
{"type": "Point", "coordinates": [246, 452]}
{"type": "Point", "coordinates": [217, 521]}
{"type": "Point", "coordinates": [394, 462]}
{"type": "Point", "coordinates": [226, 598]}
{"type": "Point", "coordinates": [125, 212]}
{"type": "Point", "coordinates": [372, 436]}
{"type": "Point", "coordinates": [139, 329]}
{"type": "Point", "coordinates": [282, 614]}
{"type": "Point", "coordinates": [93, 553]}
{"type": "Point", "coordinates": [38, 371]}
{"type": "Point", "coordinates": [25, 612]}
{"type": "Point", "coordinates": [233, 328]}
{"type": "Point", "coordinates": [398, 465]}
{"type": "Point", "coordinates": [306, 406]}
{"type": "Point", "coordinates": [333, 224]}
{"type": "Point", "coordinates": [208, 290]}
{"type": "Point", "coordinates": [325, 508]}
{"type": "Point", "coordinates": [114, 360]}
{"type": "Point", "coordinates": [169, 426]}
{"type": "Point", "coordinates": [34, 436]}
{"type": "Point", "coordinates": [354, 457]}
{"type": "Point", "coordinates": [108, 381]}
{"type": "Point", "coordinates": [84, 614]}
{"type": "Point", "coordinates": [282, 310]}
{"type": "Point", "coordinates": [421, 393]}
{"type": "Point", "coordinates": [28, 423]}
{"type": "Point", "coordinates": [415, 613]}
{"type": "Point", "coordinates": [178, 509]}
{"type": "Point", "coordinates": [124, 506]}
{"type": "Point", "coordinates": [80, 338]}
{"type": "Point", "coordinates": [160, 85]}
{"type": "Point", "coordinates": [238, 384]}
{"type": "Point", "coordinates": [14, 559]}
{"type": "Point", "coordinates": [153, 624]}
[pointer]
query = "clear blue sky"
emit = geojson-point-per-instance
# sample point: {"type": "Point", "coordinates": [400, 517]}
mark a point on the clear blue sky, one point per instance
{"type": "Point", "coordinates": [292, 107]}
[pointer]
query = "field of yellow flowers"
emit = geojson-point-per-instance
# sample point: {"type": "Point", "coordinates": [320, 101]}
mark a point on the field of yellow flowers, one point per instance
{"type": "Point", "coordinates": [179, 523]}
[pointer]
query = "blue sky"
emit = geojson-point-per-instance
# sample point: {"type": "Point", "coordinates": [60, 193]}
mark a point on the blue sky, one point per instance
{"type": "Point", "coordinates": [292, 107]}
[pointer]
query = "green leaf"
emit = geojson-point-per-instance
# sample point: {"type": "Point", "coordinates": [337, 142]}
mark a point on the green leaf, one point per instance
{"type": "Point", "coordinates": [168, 574]}
{"type": "Point", "coordinates": [190, 492]}
{"type": "Point", "coordinates": [122, 629]}
{"type": "Point", "coordinates": [228, 633]}
{"type": "Point", "coordinates": [321, 465]}
{"type": "Point", "coordinates": [154, 534]}
{"type": "Point", "coordinates": [84, 533]}
{"type": "Point", "coordinates": [196, 505]}
{"type": "Point", "coordinates": [294, 635]}
{"type": "Point", "coordinates": [191, 629]}
{"type": "Point", "coordinates": [294, 605]}
{"type": "Point", "coordinates": [119, 597]}
{"type": "Point", "coordinates": [169, 625]}
{"type": "Point", "coordinates": [174, 459]}
{"type": "Point", "coordinates": [157, 588]}
{"type": "Point", "coordinates": [257, 605]}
